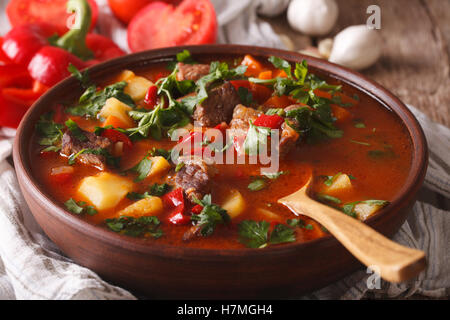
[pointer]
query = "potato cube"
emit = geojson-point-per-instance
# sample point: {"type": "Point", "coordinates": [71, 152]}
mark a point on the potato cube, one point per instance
{"type": "Point", "coordinates": [341, 183]}
{"type": "Point", "coordinates": [365, 210]}
{"type": "Point", "coordinates": [105, 190]}
{"type": "Point", "coordinates": [125, 75]}
{"type": "Point", "coordinates": [144, 207]}
{"type": "Point", "coordinates": [118, 109]}
{"type": "Point", "coordinates": [159, 166]}
{"type": "Point", "coordinates": [269, 214]}
{"type": "Point", "coordinates": [137, 88]}
{"type": "Point", "coordinates": [234, 204]}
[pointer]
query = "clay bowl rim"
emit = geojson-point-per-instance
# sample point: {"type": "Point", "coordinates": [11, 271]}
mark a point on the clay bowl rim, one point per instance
{"type": "Point", "coordinates": [141, 59]}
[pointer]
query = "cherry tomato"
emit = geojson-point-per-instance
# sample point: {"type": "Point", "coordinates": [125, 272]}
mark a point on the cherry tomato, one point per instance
{"type": "Point", "coordinates": [191, 22]}
{"type": "Point", "coordinates": [53, 12]}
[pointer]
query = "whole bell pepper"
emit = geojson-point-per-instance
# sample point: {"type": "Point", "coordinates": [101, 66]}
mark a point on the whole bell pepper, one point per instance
{"type": "Point", "coordinates": [47, 57]}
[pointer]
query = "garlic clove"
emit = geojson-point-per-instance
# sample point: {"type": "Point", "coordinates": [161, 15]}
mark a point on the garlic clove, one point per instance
{"type": "Point", "coordinates": [313, 17]}
{"type": "Point", "coordinates": [325, 47]}
{"type": "Point", "coordinates": [313, 52]}
{"type": "Point", "coordinates": [356, 47]}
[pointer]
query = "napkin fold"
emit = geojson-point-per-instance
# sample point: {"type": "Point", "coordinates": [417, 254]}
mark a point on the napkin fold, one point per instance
{"type": "Point", "coordinates": [32, 267]}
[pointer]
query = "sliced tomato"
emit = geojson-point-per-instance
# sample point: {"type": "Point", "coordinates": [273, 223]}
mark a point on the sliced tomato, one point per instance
{"type": "Point", "coordinates": [191, 22]}
{"type": "Point", "coordinates": [53, 12]}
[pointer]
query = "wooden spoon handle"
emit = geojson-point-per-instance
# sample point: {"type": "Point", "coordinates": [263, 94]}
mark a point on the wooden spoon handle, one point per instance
{"type": "Point", "coordinates": [395, 262]}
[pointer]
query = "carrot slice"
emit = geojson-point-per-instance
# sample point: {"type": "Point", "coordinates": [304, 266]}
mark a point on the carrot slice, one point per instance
{"type": "Point", "coordinates": [265, 75]}
{"type": "Point", "coordinates": [115, 122]}
{"type": "Point", "coordinates": [344, 98]}
{"type": "Point", "coordinates": [279, 74]}
{"type": "Point", "coordinates": [341, 114]}
{"type": "Point", "coordinates": [279, 102]}
{"type": "Point", "coordinates": [254, 67]}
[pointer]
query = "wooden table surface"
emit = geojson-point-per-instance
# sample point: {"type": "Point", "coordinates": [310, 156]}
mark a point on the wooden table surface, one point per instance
{"type": "Point", "coordinates": [416, 56]}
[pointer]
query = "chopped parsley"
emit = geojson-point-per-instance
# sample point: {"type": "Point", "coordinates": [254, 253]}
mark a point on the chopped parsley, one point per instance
{"type": "Point", "coordinates": [257, 185]}
{"type": "Point", "coordinates": [79, 207]}
{"type": "Point", "coordinates": [142, 168]}
{"type": "Point", "coordinates": [50, 132]}
{"type": "Point", "coordinates": [300, 223]}
{"type": "Point", "coordinates": [91, 101]}
{"type": "Point", "coordinates": [326, 198]}
{"type": "Point", "coordinates": [135, 227]}
{"type": "Point", "coordinates": [155, 189]}
{"type": "Point", "coordinates": [256, 138]}
{"type": "Point", "coordinates": [255, 234]}
{"type": "Point", "coordinates": [210, 216]}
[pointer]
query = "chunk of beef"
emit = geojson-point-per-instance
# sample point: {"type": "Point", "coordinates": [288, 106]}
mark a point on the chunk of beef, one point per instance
{"type": "Point", "coordinates": [191, 71]}
{"type": "Point", "coordinates": [289, 136]}
{"type": "Point", "coordinates": [241, 115]}
{"type": "Point", "coordinates": [195, 176]}
{"type": "Point", "coordinates": [218, 107]}
{"type": "Point", "coordinates": [288, 139]}
{"type": "Point", "coordinates": [70, 145]}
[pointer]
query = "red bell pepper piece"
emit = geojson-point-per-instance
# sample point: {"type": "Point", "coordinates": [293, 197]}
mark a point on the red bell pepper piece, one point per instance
{"type": "Point", "coordinates": [178, 218]}
{"type": "Point", "coordinates": [197, 209]}
{"type": "Point", "coordinates": [3, 57]}
{"type": "Point", "coordinates": [13, 75]}
{"type": "Point", "coordinates": [116, 136]}
{"type": "Point", "coordinates": [175, 199]}
{"type": "Point", "coordinates": [49, 65]}
{"type": "Point", "coordinates": [102, 47]}
{"type": "Point", "coordinates": [269, 121]}
{"type": "Point", "coordinates": [24, 96]}
{"type": "Point", "coordinates": [10, 113]}
{"type": "Point", "coordinates": [22, 42]}
{"type": "Point", "coordinates": [47, 62]}
{"type": "Point", "coordinates": [151, 96]}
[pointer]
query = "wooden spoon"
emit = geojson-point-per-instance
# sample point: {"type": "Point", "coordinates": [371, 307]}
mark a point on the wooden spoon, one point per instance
{"type": "Point", "coordinates": [395, 262]}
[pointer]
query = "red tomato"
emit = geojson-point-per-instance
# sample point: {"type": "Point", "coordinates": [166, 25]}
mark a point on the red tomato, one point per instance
{"type": "Point", "coordinates": [53, 12]}
{"type": "Point", "coordinates": [191, 22]}
{"type": "Point", "coordinates": [125, 10]}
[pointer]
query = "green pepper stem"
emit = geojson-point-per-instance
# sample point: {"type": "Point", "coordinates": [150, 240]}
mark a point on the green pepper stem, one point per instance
{"type": "Point", "coordinates": [74, 40]}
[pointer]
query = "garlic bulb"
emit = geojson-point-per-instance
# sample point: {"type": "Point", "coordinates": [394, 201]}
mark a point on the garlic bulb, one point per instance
{"type": "Point", "coordinates": [356, 47]}
{"type": "Point", "coordinates": [271, 8]}
{"type": "Point", "coordinates": [312, 17]}
{"type": "Point", "coordinates": [325, 46]}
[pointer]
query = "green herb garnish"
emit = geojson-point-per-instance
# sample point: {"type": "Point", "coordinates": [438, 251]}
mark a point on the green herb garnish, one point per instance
{"type": "Point", "coordinates": [135, 227]}
{"type": "Point", "coordinates": [79, 207]}
{"type": "Point", "coordinates": [210, 216]}
{"type": "Point", "coordinates": [255, 234]}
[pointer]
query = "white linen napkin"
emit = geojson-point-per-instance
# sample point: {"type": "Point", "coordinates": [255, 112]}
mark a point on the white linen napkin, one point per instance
{"type": "Point", "coordinates": [32, 267]}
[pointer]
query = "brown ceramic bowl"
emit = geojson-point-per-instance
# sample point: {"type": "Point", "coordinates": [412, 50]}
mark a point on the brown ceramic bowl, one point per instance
{"type": "Point", "coordinates": [163, 271]}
